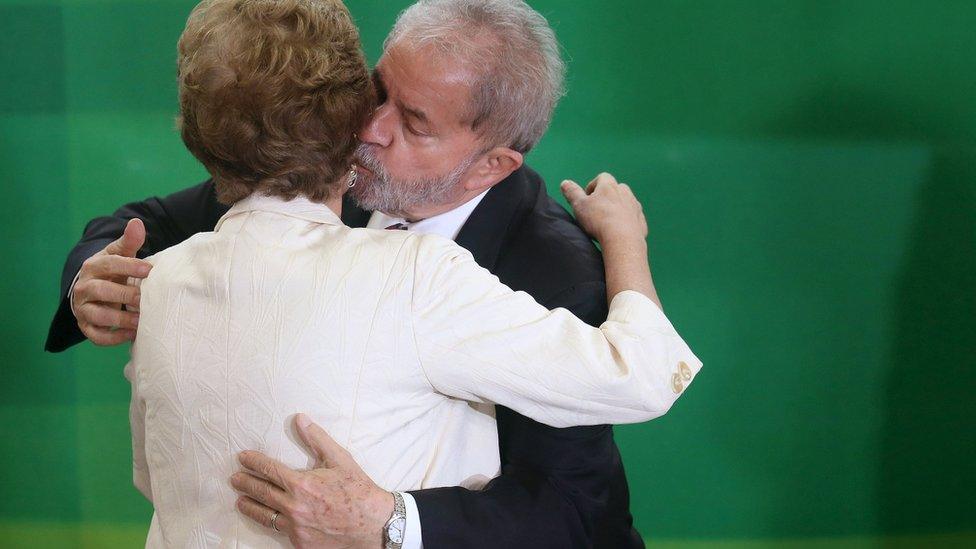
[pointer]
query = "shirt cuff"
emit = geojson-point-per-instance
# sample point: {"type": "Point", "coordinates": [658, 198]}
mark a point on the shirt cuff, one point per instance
{"type": "Point", "coordinates": [636, 309]}
{"type": "Point", "coordinates": [71, 293]}
{"type": "Point", "coordinates": [411, 533]}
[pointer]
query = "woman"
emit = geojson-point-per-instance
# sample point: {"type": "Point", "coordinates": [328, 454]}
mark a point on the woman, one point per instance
{"type": "Point", "coordinates": [390, 340]}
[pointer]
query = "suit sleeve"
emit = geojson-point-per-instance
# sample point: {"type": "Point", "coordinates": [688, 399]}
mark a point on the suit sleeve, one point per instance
{"type": "Point", "coordinates": [169, 220]}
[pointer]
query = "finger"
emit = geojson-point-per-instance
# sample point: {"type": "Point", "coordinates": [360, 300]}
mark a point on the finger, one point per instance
{"type": "Point", "coordinates": [317, 440]}
{"type": "Point", "coordinates": [105, 316]}
{"type": "Point", "coordinates": [108, 266]}
{"type": "Point", "coordinates": [627, 193]}
{"type": "Point", "coordinates": [270, 469]}
{"type": "Point", "coordinates": [131, 240]}
{"type": "Point", "coordinates": [605, 183]}
{"type": "Point", "coordinates": [262, 514]}
{"type": "Point", "coordinates": [573, 192]}
{"type": "Point", "coordinates": [108, 292]}
{"type": "Point", "coordinates": [260, 490]}
{"type": "Point", "coordinates": [106, 336]}
{"type": "Point", "coordinates": [591, 186]}
{"type": "Point", "coordinates": [602, 179]}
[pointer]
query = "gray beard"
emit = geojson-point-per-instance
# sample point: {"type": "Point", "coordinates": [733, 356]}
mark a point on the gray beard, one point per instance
{"type": "Point", "coordinates": [397, 197]}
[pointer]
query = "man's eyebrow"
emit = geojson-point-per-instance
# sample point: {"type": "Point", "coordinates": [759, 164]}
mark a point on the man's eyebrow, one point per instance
{"type": "Point", "coordinates": [419, 115]}
{"type": "Point", "coordinates": [410, 111]}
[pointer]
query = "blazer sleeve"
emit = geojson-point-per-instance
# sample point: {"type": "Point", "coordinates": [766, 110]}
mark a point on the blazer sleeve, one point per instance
{"type": "Point", "coordinates": [480, 341]}
{"type": "Point", "coordinates": [169, 220]}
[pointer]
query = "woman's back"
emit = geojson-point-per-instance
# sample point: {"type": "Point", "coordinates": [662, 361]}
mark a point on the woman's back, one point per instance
{"type": "Point", "coordinates": [284, 310]}
{"type": "Point", "coordinates": [395, 343]}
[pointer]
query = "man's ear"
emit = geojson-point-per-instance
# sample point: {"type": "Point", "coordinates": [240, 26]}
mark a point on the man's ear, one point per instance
{"type": "Point", "coordinates": [494, 166]}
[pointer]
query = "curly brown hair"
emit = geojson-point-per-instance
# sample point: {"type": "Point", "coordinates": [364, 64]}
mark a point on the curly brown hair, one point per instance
{"type": "Point", "coordinates": [271, 93]}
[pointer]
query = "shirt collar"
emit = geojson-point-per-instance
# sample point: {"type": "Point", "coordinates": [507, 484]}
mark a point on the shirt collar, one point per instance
{"type": "Point", "coordinates": [299, 207]}
{"type": "Point", "coordinates": [447, 224]}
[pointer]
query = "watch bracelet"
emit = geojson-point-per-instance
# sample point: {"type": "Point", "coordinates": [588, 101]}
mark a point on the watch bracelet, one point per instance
{"type": "Point", "coordinates": [399, 510]}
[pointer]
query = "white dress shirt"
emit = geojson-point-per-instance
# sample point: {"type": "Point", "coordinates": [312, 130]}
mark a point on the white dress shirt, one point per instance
{"type": "Point", "coordinates": [385, 338]}
{"type": "Point", "coordinates": [447, 224]}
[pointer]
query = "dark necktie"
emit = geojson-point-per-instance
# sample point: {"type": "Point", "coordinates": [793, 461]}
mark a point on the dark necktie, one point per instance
{"type": "Point", "coordinates": [397, 227]}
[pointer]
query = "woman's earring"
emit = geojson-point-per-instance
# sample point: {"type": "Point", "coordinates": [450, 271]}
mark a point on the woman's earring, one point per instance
{"type": "Point", "coordinates": [353, 176]}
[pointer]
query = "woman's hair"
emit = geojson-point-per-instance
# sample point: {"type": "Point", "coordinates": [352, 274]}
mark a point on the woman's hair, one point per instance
{"type": "Point", "coordinates": [271, 94]}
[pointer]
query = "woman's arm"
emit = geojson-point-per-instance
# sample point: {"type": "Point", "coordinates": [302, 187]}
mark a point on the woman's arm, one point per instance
{"type": "Point", "coordinates": [609, 212]}
{"type": "Point", "coordinates": [478, 340]}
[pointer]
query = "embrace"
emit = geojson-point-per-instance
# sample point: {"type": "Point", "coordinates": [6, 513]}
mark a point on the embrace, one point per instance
{"type": "Point", "coordinates": [372, 327]}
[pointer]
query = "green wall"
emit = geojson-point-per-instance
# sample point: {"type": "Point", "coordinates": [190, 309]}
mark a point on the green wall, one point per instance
{"type": "Point", "coordinates": [809, 173]}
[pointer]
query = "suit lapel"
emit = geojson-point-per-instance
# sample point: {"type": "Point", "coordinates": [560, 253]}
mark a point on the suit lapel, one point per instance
{"type": "Point", "coordinates": [487, 229]}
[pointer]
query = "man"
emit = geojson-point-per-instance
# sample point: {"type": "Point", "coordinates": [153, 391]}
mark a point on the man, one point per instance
{"type": "Point", "coordinates": [469, 87]}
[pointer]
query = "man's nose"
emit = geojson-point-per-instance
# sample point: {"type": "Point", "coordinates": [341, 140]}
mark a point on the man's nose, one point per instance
{"type": "Point", "coordinates": [376, 131]}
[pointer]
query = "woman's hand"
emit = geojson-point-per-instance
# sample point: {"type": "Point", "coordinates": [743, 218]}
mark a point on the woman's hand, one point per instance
{"type": "Point", "coordinates": [607, 210]}
{"type": "Point", "coordinates": [610, 213]}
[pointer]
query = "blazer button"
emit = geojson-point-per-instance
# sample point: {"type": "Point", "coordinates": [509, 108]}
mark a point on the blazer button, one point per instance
{"type": "Point", "coordinates": [676, 385]}
{"type": "Point", "coordinates": [685, 370]}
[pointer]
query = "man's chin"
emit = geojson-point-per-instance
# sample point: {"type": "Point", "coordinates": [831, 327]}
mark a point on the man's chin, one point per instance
{"type": "Point", "coordinates": [360, 194]}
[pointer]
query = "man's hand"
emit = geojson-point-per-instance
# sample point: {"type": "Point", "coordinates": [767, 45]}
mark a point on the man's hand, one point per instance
{"type": "Point", "coordinates": [333, 505]}
{"type": "Point", "coordinates": [102, 288]}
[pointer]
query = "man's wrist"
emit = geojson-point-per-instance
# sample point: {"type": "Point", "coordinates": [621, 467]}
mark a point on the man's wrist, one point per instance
{"type": "Point", "coordinates": [381, 510]}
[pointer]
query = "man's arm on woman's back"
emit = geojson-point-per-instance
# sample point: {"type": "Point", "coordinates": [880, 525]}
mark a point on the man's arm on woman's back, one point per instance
{"type": "Point", "coordinates": [169, 220]}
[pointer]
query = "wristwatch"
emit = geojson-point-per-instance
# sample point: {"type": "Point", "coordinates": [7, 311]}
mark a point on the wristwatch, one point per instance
{"type": "Point", "coordinates": [393, 531]}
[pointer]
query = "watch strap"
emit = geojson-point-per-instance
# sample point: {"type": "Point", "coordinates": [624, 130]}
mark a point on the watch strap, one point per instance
{"type": "Point", "coordinates": [399, 515]}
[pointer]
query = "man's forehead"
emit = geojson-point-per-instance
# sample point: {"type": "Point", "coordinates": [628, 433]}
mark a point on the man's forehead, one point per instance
{"type": "Point", "coordinates": [424, 74]}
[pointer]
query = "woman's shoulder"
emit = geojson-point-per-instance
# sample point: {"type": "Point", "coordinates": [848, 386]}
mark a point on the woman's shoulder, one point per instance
{"type": "Point", "coordinates": [170, 265]}
{"type": "Point", "coordinates": [423, 252]}
{"type": "Point", "coordinates": [188, 248]}
{"type": "Point", "coordinates": [406, 240]}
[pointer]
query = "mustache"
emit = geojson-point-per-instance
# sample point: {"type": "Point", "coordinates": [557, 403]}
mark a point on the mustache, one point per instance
{"type": "Point", "coordinates": [366, 157]}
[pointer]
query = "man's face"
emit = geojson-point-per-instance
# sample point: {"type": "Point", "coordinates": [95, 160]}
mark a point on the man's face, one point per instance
{"type": "Point", "coordinates": [417, 148]}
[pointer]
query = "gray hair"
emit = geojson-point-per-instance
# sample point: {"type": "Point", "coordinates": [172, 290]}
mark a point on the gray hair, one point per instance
{"type": "Point", "coordinates": [513, 53]}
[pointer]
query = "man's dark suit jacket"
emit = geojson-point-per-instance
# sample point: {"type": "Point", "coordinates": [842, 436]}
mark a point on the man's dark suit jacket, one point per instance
{"type": "Point", "coordinates": [559, 488]}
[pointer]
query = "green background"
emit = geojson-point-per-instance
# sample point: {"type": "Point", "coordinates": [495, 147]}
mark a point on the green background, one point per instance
{"type": "Point", "coordinates": [809, 172]}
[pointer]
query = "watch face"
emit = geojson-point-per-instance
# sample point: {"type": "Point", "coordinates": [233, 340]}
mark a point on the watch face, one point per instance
{"type": "Point", "coordinates": [395, 531]}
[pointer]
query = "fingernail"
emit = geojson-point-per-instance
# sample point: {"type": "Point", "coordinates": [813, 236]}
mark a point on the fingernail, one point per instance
{"type": "Point", "coordinates": [302, 420]}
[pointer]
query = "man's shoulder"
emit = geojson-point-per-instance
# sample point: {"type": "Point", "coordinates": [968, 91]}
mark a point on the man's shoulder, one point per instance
{"type": "Point", "coordinates": [547, 244]}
